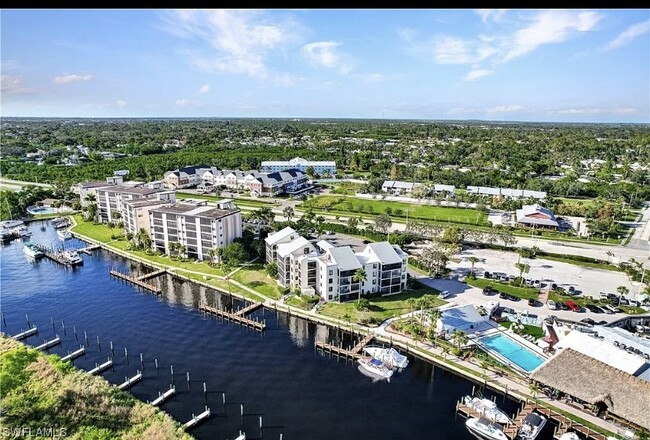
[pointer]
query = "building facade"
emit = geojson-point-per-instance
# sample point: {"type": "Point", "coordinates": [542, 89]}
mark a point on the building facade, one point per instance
{"type": "Point", "coordinates": [110, 199]}
{"type": "Point", "coordinates": [186, 177]}
{"type": "Point", "coordinates": [198, 228]}
{"type": "Point", "coordinates": [320, 167]}
{"type": "Point", "coordinates": [330, 271]}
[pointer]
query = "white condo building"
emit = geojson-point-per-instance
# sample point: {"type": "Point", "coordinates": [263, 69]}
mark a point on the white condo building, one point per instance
{"type": "Point", "coordinates": [198, 228]}
{"type": "Point", "coordinates": [110, 199]}
{"type": "Point", "coordinates": [329, 271]}
{"type": "Point", "coordinates": [320, 166]}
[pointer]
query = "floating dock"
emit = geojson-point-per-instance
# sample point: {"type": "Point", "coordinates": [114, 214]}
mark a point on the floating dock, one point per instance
{"type": "Point", "coordinates": [75, 354]}
{"type": "Point", "coordinates": [50, 254]}
{"type": "Point", "coordinates": [136, 281]}
{"type": "Point", "coordinates": [49, 344]}
{"type": "Point", "coordinates": [129, 382]}
{"type": "Point", "coordinates": [100, 368]}
{"type": "Point", "coordinates": [195, 420]}
{"type": "Point", "coordinates": [26, 334]}
{"type": "Point", "coordinates": [162, 397]}
{"type": "Point", "coordinates": [88, 250]}
{"type": "Point", "coordinates": [237, 316]}
{"type": "Point", "coordinates": [354, 352]}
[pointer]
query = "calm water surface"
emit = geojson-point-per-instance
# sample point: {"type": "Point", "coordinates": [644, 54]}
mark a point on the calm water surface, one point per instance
{"type": "Point", "coordinates": [298, 392]}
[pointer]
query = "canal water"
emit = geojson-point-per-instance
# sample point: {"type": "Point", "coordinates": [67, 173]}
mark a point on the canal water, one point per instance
{"type": "Point", "coordinates": [299, 393]}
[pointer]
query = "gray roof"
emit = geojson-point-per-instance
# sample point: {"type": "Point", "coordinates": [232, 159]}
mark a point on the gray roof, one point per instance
{"type": "Point", "coordinates": [385, 252]}
{"type": "Point", "coordinates": [92, 184]}
{"type": "Point", "coordinates": [344, 258]}
{"type": "Point", "coordinates": [122, 189]}
{"type": "Point", "coordinates": [195, 211]}
{"type": "Point", "coordinates": [285, 249]}
{"type": "Point", "coordinates": [280, 235]}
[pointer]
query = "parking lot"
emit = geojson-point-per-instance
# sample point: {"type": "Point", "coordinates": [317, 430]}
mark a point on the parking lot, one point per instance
{"type": "Point", "coordinates": [586, 281]}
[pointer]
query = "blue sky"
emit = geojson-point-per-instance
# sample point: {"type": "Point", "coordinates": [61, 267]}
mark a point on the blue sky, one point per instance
{"type": "Point", "coordinates": [524, 65]}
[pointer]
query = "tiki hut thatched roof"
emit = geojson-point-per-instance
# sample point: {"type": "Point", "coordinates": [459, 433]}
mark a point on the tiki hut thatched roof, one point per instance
{"type": "Point", "coordinates": [593, 381]}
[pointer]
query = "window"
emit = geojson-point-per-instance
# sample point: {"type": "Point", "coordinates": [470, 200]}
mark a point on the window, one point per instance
{"type": "Point", "coordinates": [329, 297]}
{"type": "Point", "coordinates": [331, 280]}
{"type": "Point", "coordinates": [374, 281]}
{"type": "Point", "coordinates": [330, 289]}
{"type": "Point", "coordinates": [306, 250]}
{"type": "Point", "coordinates": [331, 272]}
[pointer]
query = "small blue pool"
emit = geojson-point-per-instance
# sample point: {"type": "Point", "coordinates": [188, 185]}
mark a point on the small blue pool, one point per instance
{"type": "Point", "coordinates": [516, 353]}
{"type": "Point", "coordinates": [42, 210]}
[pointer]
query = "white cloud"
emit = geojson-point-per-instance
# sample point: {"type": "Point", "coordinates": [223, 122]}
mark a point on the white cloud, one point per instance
{"type": "Point", "coordinates": [205, 88]}
{"type": "Point", "coordinates": [629, 34]}
{"type": "Point", "coordinates": [596, 111]}
{"type": "Point", "coordinates": [184, 102]}
{"type": "Point", "coordinates": [238, 41]}
{"type": "Point", "coordinates": [505, 109]}
{"type": "Point", "coordinates": [121, 103]}
{"type": "Point", "coordinates": [72, 77]}
{"type": "Point", "coordinates": [326, 54]}
{"type": "Point", "coordinates": [548, 27]}
{"type": "Point", "coordinates": [475, 74]}
{"type": "Point", "coordinates": [13, 85]}
{"type": "Point", "coordinates": [495, 15]}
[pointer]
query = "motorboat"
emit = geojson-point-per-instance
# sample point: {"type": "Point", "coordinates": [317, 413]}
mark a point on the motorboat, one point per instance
{"type": "Point", "coordinates": [532, 426]}
{"type": "Point", "coordinates": [570, 436]}
{"type": "Point", "coordinates": [72, 257]}
{"type": "Point", "coordinates": [389, 356]}
{"type": "Point", "coordinates": [11, 224]}
{"type": "Point", "coordinates": [487, 408]}
{"type": "Point", "coordinates": [30, 249]}
{"type": "Point", "coordinates": [483, 428]}
{"type": "Point", "coordinates": [241, 436]}
{"type": "Point", "coordinates": [376, 367]}
{"type": "Point", "coordinates": [64, 234]}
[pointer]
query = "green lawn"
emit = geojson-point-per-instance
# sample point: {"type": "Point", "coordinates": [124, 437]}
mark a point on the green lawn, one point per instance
{"type": "Point", "coordinates": [243, 202]}
{"type": "Point", "coordinates": [355, 206]}
{"type": "Point", "coordinates": [255, 277]}
{"type": "Point", "coordinates": [300, 302]}
{"type": "Point", "coordinates": [521, 292]}
{"type": "Point", "coordinates": [381, 308]}
{"type": "Point", "coordinates": [346, 188]}
{"type": "Point", "coordinates": [223, 285]}
{"type": "Point", "coordinates": [537, 332]}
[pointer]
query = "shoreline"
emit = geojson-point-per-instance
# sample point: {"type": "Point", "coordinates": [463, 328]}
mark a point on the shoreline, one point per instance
{"type": "Point", "coordinates": [501, 384]}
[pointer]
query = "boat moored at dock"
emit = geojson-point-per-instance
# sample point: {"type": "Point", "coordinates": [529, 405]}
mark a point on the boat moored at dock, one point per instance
{"type": "Point", "coordinates": [389, 356]}
{"type": "Point", "coordinates": [375, 367]}
{"type": "Point", "coordinates": [63, 234]}
{"type": "Point", "coordinates": [31, 250]}
{"type": "Point", "coordinates": [487, 408]}
{"type": "Point", "coordinates": [485, 429]}
{"type": "Point", "coordinates": [532, 426]}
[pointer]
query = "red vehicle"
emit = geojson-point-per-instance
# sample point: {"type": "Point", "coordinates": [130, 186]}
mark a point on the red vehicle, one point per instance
{"type": "Point", "coordinates": [573, 306]}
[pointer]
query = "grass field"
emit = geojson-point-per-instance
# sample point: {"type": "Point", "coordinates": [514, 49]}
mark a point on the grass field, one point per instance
{"type": "Point", "coordinates": [255, 277]}
{"type": "Point", "coordinates": [356, 206]}
{"type": "Point", "coordinates": [521, 292]}
{"type": "Point", "coordinates": [533, 330]}
{"type": "Point", "coordinates": [381, 308]}
{"type": "Point", "coordinates": [242, 202]}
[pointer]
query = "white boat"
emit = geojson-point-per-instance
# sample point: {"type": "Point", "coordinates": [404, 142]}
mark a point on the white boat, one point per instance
{"type": "Point", "coordinates": [64, 234]}
{"type": "Point", "coordinates": [31, 250]}
{"type": "Point", "coordinates": [72, 257]}
{"type": "Point", "coordinates": [485, 429]}
{"type": "Point", "coordinates": [11, 224]}
{"type": "Point", "coordinates": [241, 436]}
{"type": "Point", "coordinates": [388, 356]}
{"type": "Point", "coordinates": [488, 408]}
{"type": "Point", "coordinates": [376, 368]}
{"type": "Point", "coordinates": [532, 426]}
{"type": "Point", "coordinates": [570, 436]}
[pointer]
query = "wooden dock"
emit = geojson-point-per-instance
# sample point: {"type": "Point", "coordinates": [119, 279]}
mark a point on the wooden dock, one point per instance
{"type": "Point", "coordinates": [237, 316]}
{"type": "Point", "coordinates": [354, 352]}
{"type": "Point", "coordinates": [565, 424]}
{"type": "Point", "coordinates": [136, 281]}
{"type": "Point", "coordinates": [88, 250]}
{"type": "Point", "coordinates": [50, 254]}
{"type": "Point", "coordinates": [248, 309]}
{"type": "Point", "coordinates": [152, 274]}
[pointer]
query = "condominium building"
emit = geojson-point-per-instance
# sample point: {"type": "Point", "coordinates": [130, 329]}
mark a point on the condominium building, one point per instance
{"type": "Point", "coordinates": [110, 199]}
{"type": "Point", "coordinates": [320, 166]}
{"type": "Point", "coordinates": [198, 228]}
{"type": "Point", "coordinates": [259, 184]}
{"type": "Point", "coordinates": [135, 214]}
{"type": "Point", "coordinates": [330, 271]}
{"type": "Point", "coordinates": [186, 177]}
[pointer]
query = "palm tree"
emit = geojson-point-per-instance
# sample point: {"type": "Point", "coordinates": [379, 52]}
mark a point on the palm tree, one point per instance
{"type": "Point", "coordinates": [534, 389]}
{"type": "Point", "coordinates": [622, 290]}
{"type": "Point", "coordinates": [288, 213]}
{"type": "Point", "coordinates": [213, 254]}
{"type": "Point", "coordinates": [347, 318]}
{"type": "Point", "coordinates": [523, 268]}
{"type": "Point", "coordinates": [535, 251]}
{"type": "Point", "coordinates": [473, 260]}
{"type": "Point", "coordinates": [360, 276]}
{"type": "Point", "coordinates": [412, 302]}
{"type": "Point", "coordinates": [445, 351]}
{"type": "Point", "coordinates": [460, 338]}
{"type": "Point", "coordinates": [610, 255]}
{"type": "Point", "coordinates": [434, 316]}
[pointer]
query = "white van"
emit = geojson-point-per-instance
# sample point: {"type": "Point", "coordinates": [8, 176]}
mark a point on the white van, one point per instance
{"type": "Point", "coordinates": [551, 304]}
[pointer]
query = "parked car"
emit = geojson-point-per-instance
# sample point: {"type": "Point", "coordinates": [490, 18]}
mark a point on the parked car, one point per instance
{"type": "Point", "coordinates": [562, 306]}
{"type": "Point", "coordinates": [553, 286]}
{"type": "Point", "coordinates": [612, 296]}
{"type": "Point", "coordinates": [601, 322]}
{"type": "Point", "coordinates": [551, 304]}
{"type": "Point", "coordinates": [486, 275]}
{"type": "Point", "coordinates": [537, 283]}
{"type": "Point", "coordinates": [487, 290]}
{"type": "Point", "coordinates": [588, 321]}
{"type": "Point", "coordinates": [572, 290]}
{"type": "Point", "coordinates": [573, 306]}
{"type": "Point", "coordinates": [623, 301]}
{"type": "Point", "coordinates": [602, 295]}
{"type": "Point", "coordinates": [609, 309]}
{"type": "Point", "coordinates": [593, 308]}
{"type": "Point", "coordinates": [444, 294]}
{"type": "Point", "coordinates": [634, 303]}
{"type": "Point", "coordinates": [503, 295]}
{"type": "Point", "coordinates": [533, 302]}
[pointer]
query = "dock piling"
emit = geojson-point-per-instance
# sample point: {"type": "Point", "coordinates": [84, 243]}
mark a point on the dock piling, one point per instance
{"type": "Point", "coordinates": [112, 352]}
{"type": "Point", "coordinates": [205, 393]}
{"type": "Point", "coordinates": [27, 319]}
{"type": "Point", "coordinates": [188, 380]}
{"type": "Point", "coordinates": [86, 338]}
{"type": "Point", "coordinates": [141, 361]}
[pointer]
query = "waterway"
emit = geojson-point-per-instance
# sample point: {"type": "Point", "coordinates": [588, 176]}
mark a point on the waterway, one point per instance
{"type": "Point", "coordinates": [298, 392]}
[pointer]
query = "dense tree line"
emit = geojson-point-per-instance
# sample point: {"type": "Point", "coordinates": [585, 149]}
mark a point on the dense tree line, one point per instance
{"type": "Point", "coordinates": [502, 154]}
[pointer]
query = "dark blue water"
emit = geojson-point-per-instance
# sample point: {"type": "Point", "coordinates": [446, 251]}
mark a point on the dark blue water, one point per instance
{"type": "Point", "coordinates": [298, 392]}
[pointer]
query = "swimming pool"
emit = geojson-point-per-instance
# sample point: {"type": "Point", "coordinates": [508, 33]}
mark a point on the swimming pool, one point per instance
{"type": "Point", "coordinates": [42, 210]}
{"type": "Point", "coordinates": [513, 351]}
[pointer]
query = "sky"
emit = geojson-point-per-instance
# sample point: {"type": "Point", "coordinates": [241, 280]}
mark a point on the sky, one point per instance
{"type": "Point", "coordinates": [571, 65]}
